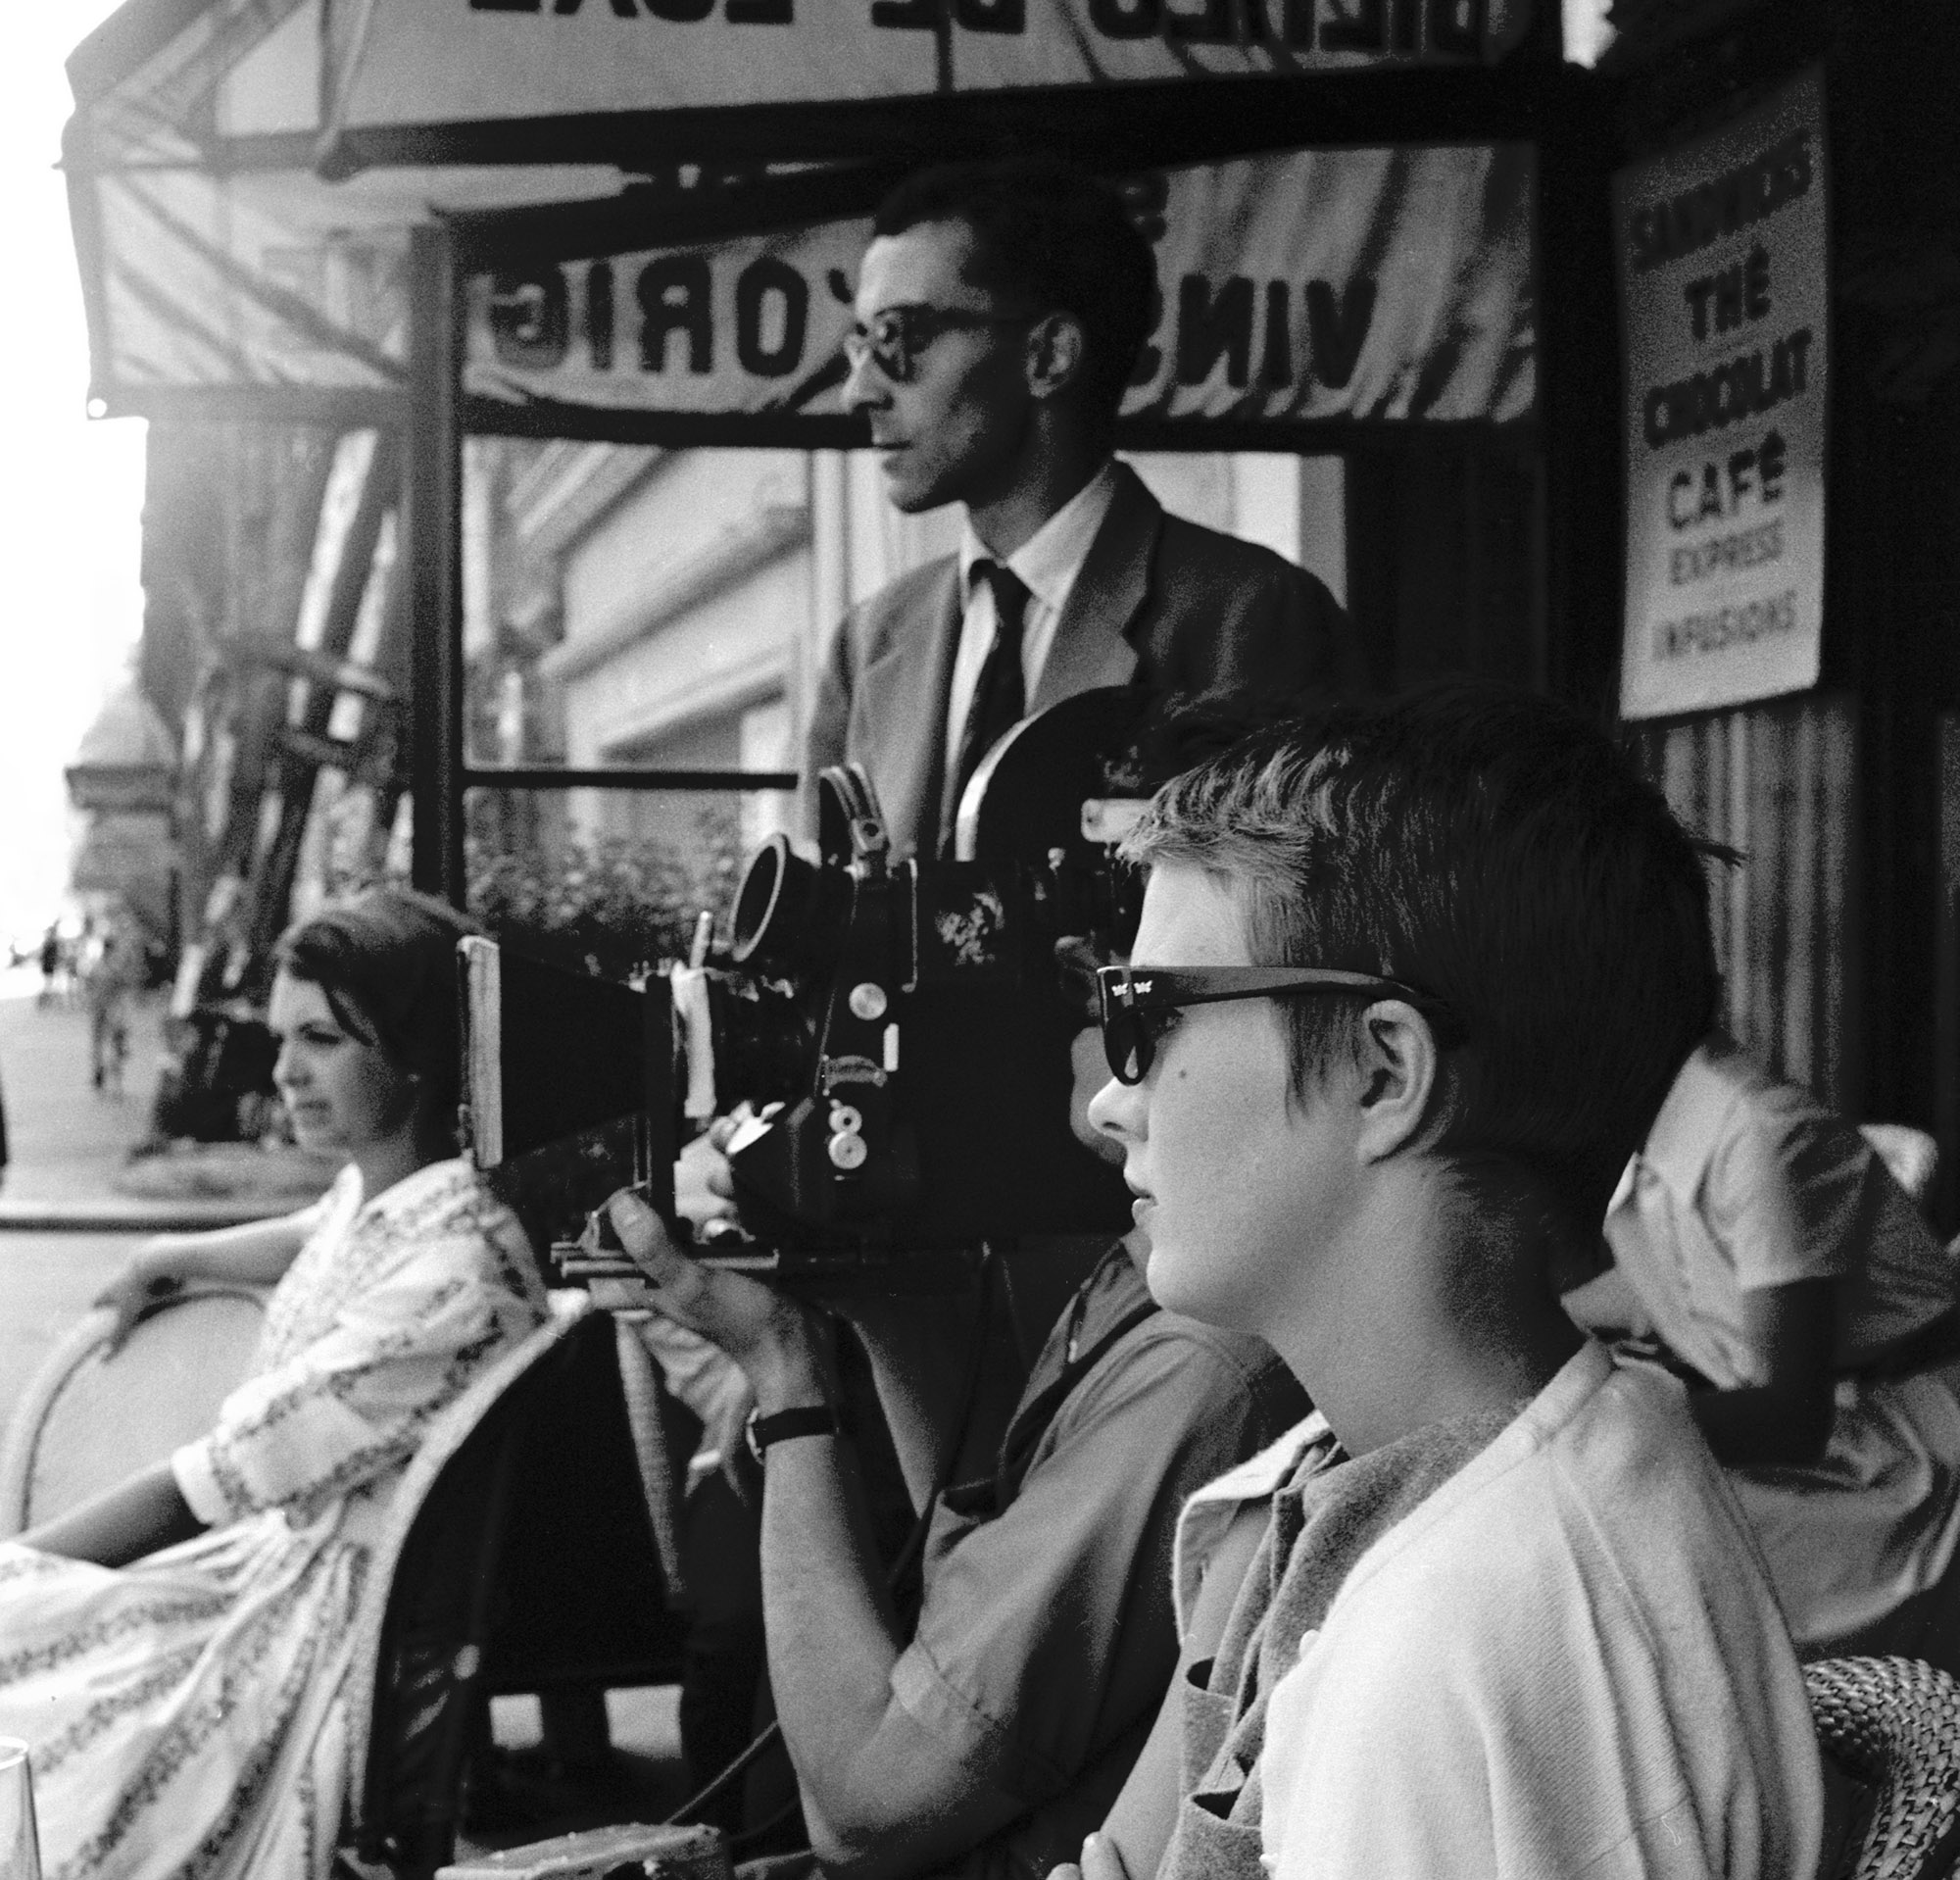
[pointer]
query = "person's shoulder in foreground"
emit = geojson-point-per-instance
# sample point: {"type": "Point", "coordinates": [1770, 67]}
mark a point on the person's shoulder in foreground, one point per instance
{"type": "Point", "coordinates": [1410, 984]}
{"type": "Point", "coordinates": [1517, 1680]}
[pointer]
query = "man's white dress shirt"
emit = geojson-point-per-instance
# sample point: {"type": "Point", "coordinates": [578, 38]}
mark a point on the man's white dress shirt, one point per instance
{"type": "Point", "coordinates": [1047, 564]}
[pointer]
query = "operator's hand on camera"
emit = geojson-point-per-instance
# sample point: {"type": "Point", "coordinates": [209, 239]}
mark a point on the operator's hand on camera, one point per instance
{"type": "Point", "coordinates": [703, 1182]}
{"type": "Point", "coordinates": [783, 1348]}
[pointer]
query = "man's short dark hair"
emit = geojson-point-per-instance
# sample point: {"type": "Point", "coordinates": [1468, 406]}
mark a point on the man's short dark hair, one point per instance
{"type": "Point", "coordinates": [1497, 851]}
{"type": "Point", "coordinates": [1054, 235]}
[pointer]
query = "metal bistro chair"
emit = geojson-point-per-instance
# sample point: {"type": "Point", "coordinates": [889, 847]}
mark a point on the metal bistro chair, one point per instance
{"type": "Point", "coordinates": [507, 1561]}
{"type": "Point", "coordinates": [1894, 1725]}
{"type": "Point", "coordinates": [424, 1633]}
{"type": "Point", "coordinates": [86, 1419]}
{"type": "Point", "coordinates": [518, 1556]}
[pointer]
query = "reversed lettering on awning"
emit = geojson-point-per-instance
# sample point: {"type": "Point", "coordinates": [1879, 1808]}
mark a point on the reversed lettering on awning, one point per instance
{"type": "Point", "coordinates": [392, 64]}
{"type": "Point", "coordinates": [1379, 284]}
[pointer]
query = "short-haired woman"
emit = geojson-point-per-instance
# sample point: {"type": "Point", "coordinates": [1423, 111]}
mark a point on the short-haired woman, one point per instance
{"type": "Point", "coordinates": [173, 1650]}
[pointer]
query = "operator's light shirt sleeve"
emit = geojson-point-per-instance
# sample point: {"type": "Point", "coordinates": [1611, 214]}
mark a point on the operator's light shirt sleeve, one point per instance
{"type": "Point", "coordinates": [1048, 564]}
{"type": "Point", "coordinates": [1045, 1641]}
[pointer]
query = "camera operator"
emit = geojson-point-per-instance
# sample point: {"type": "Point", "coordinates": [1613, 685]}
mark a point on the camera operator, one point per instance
{"type": "Point", "coordinates": [996, 1730]}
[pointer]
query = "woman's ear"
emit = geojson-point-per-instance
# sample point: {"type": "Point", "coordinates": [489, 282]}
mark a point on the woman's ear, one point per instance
{"type": "Point", "coordinates": [1055, 349]}
{"type": "Point", "coordinates": [1400, 1069]}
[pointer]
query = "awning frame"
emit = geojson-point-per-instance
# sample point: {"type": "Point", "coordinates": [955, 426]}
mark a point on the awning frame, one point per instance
{"type": "Point", "coordinates": [1566, 113]}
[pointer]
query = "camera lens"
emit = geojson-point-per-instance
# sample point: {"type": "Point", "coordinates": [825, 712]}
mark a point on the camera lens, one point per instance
{"type": "Point", "coordinates": [774, 906]}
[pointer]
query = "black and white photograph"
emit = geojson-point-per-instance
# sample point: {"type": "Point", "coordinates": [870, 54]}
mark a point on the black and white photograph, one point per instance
{"type": "Point", "coordinates": [981, 940]}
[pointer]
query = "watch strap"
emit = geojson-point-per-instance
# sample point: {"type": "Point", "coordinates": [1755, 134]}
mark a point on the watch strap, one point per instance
{"type": "Point", "coordinates": [809, 1419]}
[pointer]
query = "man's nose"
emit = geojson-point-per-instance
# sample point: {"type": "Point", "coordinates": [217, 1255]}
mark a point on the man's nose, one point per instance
{"type": "Point", "coordinates": [285, 1065]}
{"type": "Point", "coordinates": [864, 386]}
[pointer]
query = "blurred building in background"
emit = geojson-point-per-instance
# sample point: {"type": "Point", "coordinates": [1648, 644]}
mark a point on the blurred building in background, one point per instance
{"type": "Point", "coordinates": [667, 610]}
{"type": "Point", "coordinates": [628, 607]}
{"type": "Point", "coordinates": [122, 782]}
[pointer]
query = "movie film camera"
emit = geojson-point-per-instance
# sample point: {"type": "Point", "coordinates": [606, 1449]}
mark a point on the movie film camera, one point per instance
{"type": "Point", "coordinates": [894, 1031]}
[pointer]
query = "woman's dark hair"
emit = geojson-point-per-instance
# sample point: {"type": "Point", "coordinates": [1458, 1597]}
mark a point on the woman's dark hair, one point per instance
{"type": "Point", "coordinates": [1055, 237]}
{"type": "Point", "coordinates": [386, 962]}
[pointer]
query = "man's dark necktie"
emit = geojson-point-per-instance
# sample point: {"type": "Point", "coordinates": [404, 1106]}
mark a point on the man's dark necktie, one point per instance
{"type": "Point", "coordinates": [1000, 699]}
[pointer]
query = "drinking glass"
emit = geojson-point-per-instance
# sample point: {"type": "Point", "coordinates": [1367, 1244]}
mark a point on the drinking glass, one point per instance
{"type": "Point", "coordinates": [19, 1849]}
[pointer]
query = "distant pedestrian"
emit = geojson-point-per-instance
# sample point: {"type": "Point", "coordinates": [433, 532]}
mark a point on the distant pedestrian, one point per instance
{"type": "Point", "coordinates": [108, 978]}
{"type": "Point", "coordinates": [51, 963]}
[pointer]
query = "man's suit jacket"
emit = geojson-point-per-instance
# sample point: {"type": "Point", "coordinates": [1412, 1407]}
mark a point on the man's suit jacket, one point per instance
{"type": "Point", "coordinates": [1182, 608]}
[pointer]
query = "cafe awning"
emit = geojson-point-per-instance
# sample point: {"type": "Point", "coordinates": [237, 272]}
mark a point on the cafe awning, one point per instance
{"type": "Point", "coordinates": [224, 271]}
{"type": "Point", "coordinates": [408, 80]}
{"type": "Point", "coordinates": [219, 272]}
{"type": "Point", "coordinates": [452, 214]}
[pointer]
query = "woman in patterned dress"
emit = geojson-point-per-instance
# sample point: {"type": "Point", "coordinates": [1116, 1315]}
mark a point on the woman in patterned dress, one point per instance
{"type": "Point", "coordinates": [173, 1651]}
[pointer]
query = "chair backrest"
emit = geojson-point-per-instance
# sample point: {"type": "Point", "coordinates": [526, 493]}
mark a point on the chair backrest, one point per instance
{"type": "Point", "coordinates": [1894, 1725]}
{"type": "Point", "coordinates": [427, 1606]}
{"type": "Point", "coordinates": [88, 1416]}
{"type": "Point", "coordinates": [584, 1597]}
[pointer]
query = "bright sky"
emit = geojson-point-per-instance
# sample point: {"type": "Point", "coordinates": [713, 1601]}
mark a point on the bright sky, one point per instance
{"type": "Point", "coordinates": [70, 491]}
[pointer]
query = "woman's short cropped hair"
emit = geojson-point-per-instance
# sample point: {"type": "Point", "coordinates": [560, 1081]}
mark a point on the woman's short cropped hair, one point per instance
{"type": "Point", "coordinates": [1053, 236]}
{"type": "Point", "coordinates": [1497, 851]}
{"type": "Point", "coordinates": [386, 961]}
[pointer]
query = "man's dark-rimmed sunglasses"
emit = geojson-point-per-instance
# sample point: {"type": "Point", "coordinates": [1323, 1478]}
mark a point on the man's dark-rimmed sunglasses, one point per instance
{"type": "Point", "coordinates": [894, 337]}
{"type": "Point", "coordinates": [1135, 998]}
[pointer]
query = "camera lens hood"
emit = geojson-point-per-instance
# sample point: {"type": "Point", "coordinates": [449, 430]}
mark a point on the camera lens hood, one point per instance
{"type": "Point", "coordinates": [774, 906]}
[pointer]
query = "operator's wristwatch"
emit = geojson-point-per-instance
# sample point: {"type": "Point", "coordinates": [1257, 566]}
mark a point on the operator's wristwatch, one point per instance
{"type": "Point", "coordinates": [811, 1420]}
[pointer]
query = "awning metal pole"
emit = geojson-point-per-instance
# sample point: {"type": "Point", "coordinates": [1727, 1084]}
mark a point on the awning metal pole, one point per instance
{"type": "Point", "coordinates": [432, 555]}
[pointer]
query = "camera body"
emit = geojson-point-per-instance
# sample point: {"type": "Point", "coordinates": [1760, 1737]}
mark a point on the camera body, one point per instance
{"type": "Point", "coordinates": [908, 1014]}
{"type": "Point", "coordinates": [896, 1031]}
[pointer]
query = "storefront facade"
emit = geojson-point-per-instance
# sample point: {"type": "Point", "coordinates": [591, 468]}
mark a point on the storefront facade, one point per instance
{"type": "Point", "coordinates": [1831, 768]}
{"type": "Point", "coordinates": [1441, 415]}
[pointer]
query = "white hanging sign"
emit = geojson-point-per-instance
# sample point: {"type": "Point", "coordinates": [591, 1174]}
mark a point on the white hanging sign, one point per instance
{"type": "Point", "coordinates": [1723, 303]}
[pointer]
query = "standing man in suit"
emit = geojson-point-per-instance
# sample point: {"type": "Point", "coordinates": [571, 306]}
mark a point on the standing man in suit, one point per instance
{"type": "Point", "coordinates": [1001, 309]}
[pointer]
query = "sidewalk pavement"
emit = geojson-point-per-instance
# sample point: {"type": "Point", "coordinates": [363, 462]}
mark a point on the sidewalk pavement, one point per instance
{"type": "Point", "coordinates": [66, 1139]}
{"type": "Point", "coordinates": [71, 1144]}
{"type": "Point", "coordinates": [67, 1220]}
{"type": "Point", "coordinates": [67, 1144]}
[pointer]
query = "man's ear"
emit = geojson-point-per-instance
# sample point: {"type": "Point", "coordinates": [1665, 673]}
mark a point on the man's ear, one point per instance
{"type": "Point", "coordinates": [1056, 351]}
{"type": "Point", "coordinates": [1399, 1068]}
